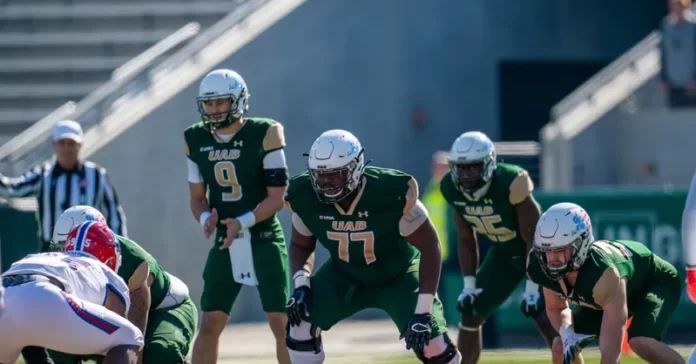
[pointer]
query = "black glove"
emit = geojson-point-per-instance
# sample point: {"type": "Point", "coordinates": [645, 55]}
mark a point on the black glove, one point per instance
{"type": "Point", "coordinates": [418, 332]}
{"type": "Point", "coordinates": [299, 305]}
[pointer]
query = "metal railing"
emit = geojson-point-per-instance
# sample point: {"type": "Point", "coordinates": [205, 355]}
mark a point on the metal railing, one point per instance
{"type": "Point", "coordinates": [587, 90]}
{"type": "Point", "coordinates": [33, 145]}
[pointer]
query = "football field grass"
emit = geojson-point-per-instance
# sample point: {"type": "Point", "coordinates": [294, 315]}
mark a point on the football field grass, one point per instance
{"type": "Point", "coordinates": [499, 356]}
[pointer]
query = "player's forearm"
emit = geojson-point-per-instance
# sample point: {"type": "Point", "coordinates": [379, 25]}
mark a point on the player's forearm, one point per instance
{"type": "Point", "coordinates": [468, 258]}
{"type": "Point", "coordinates": [429, 269]}
{"type": "Point", "coordinates": [610, 336]}
{"type": "Point", "coordinates": [301, 258]}
{"type": "Point", "coordinates": [559, 317]}
{"type": "Point", "coordinates": [198, 206]}
{"type": "Point", "coordinates": [140, 307]}
{"type": "Point", "coordinates": [268, 207]}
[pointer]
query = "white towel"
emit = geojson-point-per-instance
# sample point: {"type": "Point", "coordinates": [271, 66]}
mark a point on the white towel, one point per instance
{"type": "Point", "coordinates": [243, 260]}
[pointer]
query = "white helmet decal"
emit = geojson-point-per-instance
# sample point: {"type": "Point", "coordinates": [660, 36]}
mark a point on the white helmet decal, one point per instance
{"type": "Point", "coordinates": [563, 225]}
{"type": "Point", "coordinates": [336, 151]}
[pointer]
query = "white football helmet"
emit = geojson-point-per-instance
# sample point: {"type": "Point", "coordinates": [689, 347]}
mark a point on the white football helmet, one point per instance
{"type": "Point", "coordinates": [470, 148]}
{"type": "Point", "coordinates": [70, 218]}
{"type": "Point", "coordinates": [223, 84]}
{"type": "Point", "coordinates": [563, 225]}
{"type": "Point", "coordinates": [336, 153]}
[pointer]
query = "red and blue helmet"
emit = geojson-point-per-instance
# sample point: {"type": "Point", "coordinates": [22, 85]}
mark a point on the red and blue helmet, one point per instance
{"type": "Point", "coordinates": [96, 239]}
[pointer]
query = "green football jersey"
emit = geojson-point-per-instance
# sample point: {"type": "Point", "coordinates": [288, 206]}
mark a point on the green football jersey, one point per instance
{"type": "Point", "coordinates": [491, 211]}
{"type": "Point", "coordinates": [606, 262]}
{"type": "Point", "coordinates": [233, 170]}
{"type": "Point", "coordinates": [364, 241]}
{"type": "Point", "coordinates": [132, 256]}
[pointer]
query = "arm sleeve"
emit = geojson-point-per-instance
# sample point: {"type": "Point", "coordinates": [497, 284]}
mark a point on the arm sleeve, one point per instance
{"type": "Point", "coordinates": [26, 185]}
{"type": "Point", "coordinates": [689, 226]}
{"type": "Point", "coordinates": [112, 209]}
{"type": "Point", "coordinates": [275, 159]}
{"type": "Point", "coordinates": [194, 174]}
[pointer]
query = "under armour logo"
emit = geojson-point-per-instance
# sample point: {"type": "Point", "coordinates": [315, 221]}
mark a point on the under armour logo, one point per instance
{"type": "Point", "coordinates": [245, 275]}
{"type": "Point", "coordinates": [362, 214]}
{"type": "Point", "coordinates": [238, 143]}
{"type": "Point", "coordinates": [419, 327]}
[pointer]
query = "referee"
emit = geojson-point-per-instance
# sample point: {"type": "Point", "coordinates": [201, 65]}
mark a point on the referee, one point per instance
{"type": "Point", "coordinates": [65, 183]}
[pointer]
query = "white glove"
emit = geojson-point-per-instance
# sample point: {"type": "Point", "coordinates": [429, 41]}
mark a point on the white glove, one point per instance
{"type": "Point", "coordinates": [573, 343]}
{"type": "Point", "coordinates": [469, 293]}
{"type": "Point", "coordinates": [531, 300]}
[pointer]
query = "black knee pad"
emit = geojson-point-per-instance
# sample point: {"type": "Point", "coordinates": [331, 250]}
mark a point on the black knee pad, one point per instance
{"type": "Point", "coordinates": [313, 344]}
{"type": "Point", "coordinates": [444, 358]}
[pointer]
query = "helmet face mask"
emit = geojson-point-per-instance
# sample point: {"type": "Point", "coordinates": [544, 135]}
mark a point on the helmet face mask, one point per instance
{"type": "Point", "coordinates": [336, 165]}
{"type": "Point", "coordinates": [472, 161]}
{"type": "Point", "coordinates": [218, 88]}
{"type": "Point", "coordinates": [468, 177]}
{"type": "Point", "coordinates": [564, 227]}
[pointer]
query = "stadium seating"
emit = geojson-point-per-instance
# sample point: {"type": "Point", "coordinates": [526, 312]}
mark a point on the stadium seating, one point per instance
{"type": "Point", "coordinates": [53, 51]}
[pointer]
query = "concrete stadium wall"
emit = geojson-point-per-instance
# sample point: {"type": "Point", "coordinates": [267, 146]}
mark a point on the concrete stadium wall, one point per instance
{"type": "Point", "coordinates": [640, 143]}
{"type": "Point", "coordinates": [365, 66]}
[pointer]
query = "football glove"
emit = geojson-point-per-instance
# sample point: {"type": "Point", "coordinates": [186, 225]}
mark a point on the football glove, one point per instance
{"type": "Point", "coordinates": [466, 298]}
{"type": "Point", "coordinates": [299, 305]}
{"type": "Point", "coordinates": [531, 304]}
{"type": "Point", "coordinates": [418, 332]}
{"type": "Point", "coordinates": [573, 343]}
{"type": "Point", "coordinates": [691, 283]}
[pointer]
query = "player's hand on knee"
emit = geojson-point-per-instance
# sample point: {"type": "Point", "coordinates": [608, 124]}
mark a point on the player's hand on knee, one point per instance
{"type": "Point", "coordinates": [418, 332]}
{"type": "Point", "coordinates": [466, 298]}
{"type": "Point", "coordinates": [299, 305]}
{"type": "Point", "coordinates": [531, 303]}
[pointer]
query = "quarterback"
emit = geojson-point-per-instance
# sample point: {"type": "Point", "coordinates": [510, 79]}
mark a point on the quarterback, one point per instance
{"type": "Point", "coordinates": [237, 178]}
{"type": "Point", "coordinates": [384, 252]}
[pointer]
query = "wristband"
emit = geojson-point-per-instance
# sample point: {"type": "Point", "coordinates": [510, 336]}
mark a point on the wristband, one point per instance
{"type": "Point", "coordinates": [301, 278]}
{"type": "Point", "coordinates": [531, 287]}
{"type": "Point", "coordinates": [469, 281]}
{"type": "Point", "coordinates": [204, 217]}
{"type": "Point", "coordinates": [247, 220]}
{"type": "Point", "coordinates": [425, 303]}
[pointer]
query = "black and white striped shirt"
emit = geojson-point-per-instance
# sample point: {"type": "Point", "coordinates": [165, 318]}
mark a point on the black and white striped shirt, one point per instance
{"type": "Point", "coordinates": [57, 189]}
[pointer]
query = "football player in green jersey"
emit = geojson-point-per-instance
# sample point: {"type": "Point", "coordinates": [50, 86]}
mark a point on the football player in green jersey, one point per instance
{"type": "Point", "coordinates": [494, 200]}
{"type": "Point", "coordinates": [160, 304]}
{"type": "Point", "coordinates": [608, 281]}
{"type": "Point", "coordinates": [237, 179]}
{"type": "Point", "coordinates": [384, 252]}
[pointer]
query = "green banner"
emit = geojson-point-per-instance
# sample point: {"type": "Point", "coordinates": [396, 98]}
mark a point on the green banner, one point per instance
{"type": "Point", "coordinates": [651, 217]}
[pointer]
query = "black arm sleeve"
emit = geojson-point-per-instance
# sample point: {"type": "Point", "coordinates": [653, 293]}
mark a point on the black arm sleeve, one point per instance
{"type": "Point", "coordinates": [275, 177]}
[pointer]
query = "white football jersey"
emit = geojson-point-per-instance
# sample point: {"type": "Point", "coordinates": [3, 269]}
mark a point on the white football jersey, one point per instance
{"type": "Point", "coordinates": [82, 276]}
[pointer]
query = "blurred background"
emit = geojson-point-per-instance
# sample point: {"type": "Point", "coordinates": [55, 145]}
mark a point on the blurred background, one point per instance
{"type": "Point", "coordinates": [577, 92]}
